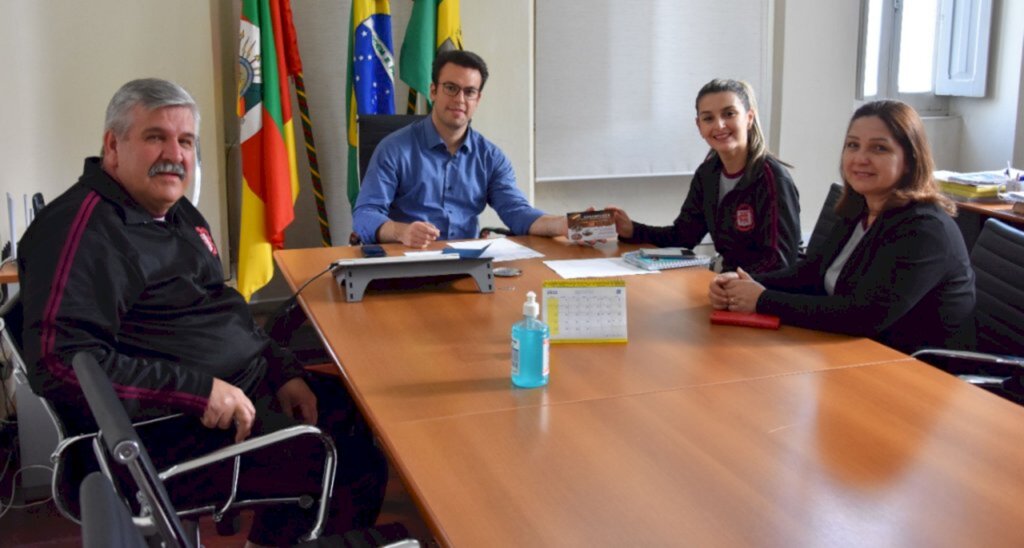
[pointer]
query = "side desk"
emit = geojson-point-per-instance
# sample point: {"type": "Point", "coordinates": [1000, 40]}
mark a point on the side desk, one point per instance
{"type": "Point", "coordinates": [689, 434]}
{"type": "Point", "coordinates": [9, 273]}
{"type": "Point", "coordinates": [971, 218]}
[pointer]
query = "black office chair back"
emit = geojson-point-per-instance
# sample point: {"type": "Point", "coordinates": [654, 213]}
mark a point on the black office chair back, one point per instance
{"type": "Point", "coordinates": [826, 219]}
{"type": "Point", "coordinates": [123, 443]}
{"type": "Point", "coordinates": [14, 319]}
{"type": "Point", "coordinates": [375, 127]}
{"type": "Point", "coordinates": [998, 260]}
{"type": "Point", "coordinates": [372, 129]}
{"type": "Point", "coordinates": [106, 521]}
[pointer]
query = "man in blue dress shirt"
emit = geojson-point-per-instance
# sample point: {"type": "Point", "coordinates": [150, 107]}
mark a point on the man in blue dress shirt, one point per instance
{"type": "Point", "coordinates": [430, 180]}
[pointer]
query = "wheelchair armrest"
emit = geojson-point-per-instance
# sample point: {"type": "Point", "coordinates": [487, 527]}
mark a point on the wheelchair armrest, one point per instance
{"type": "Point", "coordinates": [252, 444]}
{"type": "Point", "coordinates": [985, 381]}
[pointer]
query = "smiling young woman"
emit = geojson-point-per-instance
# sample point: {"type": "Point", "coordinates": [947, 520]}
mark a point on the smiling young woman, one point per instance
{"type": "Point", "coordinates": [742, 194]}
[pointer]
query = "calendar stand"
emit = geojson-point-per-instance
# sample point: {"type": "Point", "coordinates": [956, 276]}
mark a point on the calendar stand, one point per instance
{"type": "Point", "coordinates": [585, 311]}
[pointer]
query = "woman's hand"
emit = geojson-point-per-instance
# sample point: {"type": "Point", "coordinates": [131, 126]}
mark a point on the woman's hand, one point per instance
{"type": "Point", "coordinates": [742, 292]}
{"type": "Point", "coordinates": [623, 225]}
{"type": "Point", "coordinates": [717, 294]}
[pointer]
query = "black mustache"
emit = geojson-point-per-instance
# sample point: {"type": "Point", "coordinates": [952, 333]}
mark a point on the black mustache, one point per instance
{"type": "Point", "coordinates": [167, 167]}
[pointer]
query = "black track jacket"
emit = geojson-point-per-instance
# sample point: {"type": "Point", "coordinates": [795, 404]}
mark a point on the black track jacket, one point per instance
{"type": "Point", "coordinates": [146, 297]}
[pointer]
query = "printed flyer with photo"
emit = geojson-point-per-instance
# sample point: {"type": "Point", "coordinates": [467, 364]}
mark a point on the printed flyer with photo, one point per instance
{"type": "Point", "coordinates": [592, 226]}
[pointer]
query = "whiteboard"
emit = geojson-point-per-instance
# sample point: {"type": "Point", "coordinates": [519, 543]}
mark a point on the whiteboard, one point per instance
{"type": "Point", "coordinates": [616, 81]}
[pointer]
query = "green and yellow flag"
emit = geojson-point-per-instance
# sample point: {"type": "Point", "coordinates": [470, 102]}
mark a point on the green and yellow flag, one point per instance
{"type": "Point", "coordinates": [433, 26]}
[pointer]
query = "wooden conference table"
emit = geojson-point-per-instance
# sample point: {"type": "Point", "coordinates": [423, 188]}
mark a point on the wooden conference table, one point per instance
{"type": "Point", "coordinates": [688, 434]}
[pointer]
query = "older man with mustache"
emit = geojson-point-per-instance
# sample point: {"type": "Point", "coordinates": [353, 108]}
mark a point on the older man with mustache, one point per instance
{"type": "Point", "coordinates": [122, 267]}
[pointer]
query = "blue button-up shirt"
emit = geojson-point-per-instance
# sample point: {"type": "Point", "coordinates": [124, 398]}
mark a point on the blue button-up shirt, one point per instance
{"type": "Point", "coordinates": [412, 177]}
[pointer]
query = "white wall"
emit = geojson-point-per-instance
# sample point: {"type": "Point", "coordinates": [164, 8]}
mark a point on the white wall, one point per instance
{"type": "Point", "coordinates": [71, 56]}
{"type": "Point", "coordinates": [992, 133]}
{"type": "Point", "coordinates": [64, 60]}
{"type": "Point", "coordinates": [818, 84]}
{"type": "Point", "coordinates": [502, 33]}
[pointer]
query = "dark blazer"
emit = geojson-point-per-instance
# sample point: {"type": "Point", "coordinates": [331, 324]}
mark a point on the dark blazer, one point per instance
{"type": "Point", "coordinates": [908, 284]}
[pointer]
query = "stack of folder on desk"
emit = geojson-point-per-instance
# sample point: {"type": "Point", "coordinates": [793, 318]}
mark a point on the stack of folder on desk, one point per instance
{"type": "Point", "coordinates": [664, 262]}
{"type": "Point", "coordinates": [980, 186]}
{"type": "Point", "coordinates": [1016, 198]}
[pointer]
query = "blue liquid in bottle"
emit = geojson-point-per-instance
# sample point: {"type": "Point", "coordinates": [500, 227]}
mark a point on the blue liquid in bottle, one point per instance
{"type": "Point", "coordinates": [530, 339]}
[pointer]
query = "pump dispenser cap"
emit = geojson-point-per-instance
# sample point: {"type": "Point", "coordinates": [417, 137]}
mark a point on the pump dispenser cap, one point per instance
{"type": "Point", "coordinates": [530, 307]}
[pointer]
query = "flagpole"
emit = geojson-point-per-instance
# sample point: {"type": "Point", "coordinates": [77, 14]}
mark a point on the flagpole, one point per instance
{"type": "Point", "coordinates": [410, 105]}
{"type": "Point", "coordinates": [314, 165]}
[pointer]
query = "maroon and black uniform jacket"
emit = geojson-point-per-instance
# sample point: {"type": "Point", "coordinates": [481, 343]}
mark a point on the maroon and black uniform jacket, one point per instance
{"type": "Point", "coordinates": [756, 226]}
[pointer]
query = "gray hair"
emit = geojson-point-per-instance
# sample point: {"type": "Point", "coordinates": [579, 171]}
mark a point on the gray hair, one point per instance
{"type": "Point", "coordinates": [151, 93]}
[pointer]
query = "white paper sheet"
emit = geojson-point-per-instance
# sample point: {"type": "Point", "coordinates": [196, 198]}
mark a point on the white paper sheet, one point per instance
{"type": "Point", "coordinates": [595, 268]}
{"type": "Point", "coordinates": [501, 249]}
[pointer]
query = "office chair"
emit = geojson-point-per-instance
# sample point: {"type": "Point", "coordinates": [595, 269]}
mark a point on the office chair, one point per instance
{"type": "Point", "coordinates": [72, 452]}
{"type": "Point", "coordinates": [372, 129]}
{"type": "Point", "coordinates": [826, 219]}
{"type": "Point", "coordinates": [121, 442]}
{"type": "Point", "coordinates": [997, 364]}
{"type": "Point", "coordinates": [106, 522]}
{"type": "Point", "coordinates": [11, 321]}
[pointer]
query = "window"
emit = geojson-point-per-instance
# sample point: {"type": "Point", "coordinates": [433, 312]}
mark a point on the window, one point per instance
{"type": "Point", "coordinates": [921, 50]}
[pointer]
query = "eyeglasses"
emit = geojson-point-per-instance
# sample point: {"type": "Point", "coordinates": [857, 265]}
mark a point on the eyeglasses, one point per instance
{"type": "Point", "coordinates": [451, 90]}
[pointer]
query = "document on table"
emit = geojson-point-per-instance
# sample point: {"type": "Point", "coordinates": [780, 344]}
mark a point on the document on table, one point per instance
{"type": "Point", "coordinates": [501, 249]}
{"type": "Point", "coordinates": [595, 268]}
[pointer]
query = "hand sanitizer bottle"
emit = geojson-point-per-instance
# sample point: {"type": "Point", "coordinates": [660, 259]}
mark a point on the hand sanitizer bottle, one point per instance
{"type": "Point", "coordinates": [530, 340]}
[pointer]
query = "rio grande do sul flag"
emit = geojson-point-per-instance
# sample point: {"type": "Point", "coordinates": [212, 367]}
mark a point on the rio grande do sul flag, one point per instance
{"type": "Point", "coordinates": [269, 173]}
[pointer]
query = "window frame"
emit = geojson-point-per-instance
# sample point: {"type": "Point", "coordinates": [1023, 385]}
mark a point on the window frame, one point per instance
{"type": "Point", "coordinates": [927, 103]}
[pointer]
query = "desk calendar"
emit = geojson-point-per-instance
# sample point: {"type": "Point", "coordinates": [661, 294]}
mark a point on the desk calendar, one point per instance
{"type": "Point", "coordinates": [585, 311]}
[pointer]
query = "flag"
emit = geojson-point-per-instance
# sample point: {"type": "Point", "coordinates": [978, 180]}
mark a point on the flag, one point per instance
{"type": "Point", "coordinates": [371, 74]}
{"type": "Point", "coordinates": [269, 173]}
{"type": "Point", "coordinates": [433, 26]}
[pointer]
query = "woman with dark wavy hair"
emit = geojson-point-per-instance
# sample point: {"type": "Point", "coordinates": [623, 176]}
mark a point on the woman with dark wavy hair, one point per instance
{"type": "Point", "coordinates": [894, 268]}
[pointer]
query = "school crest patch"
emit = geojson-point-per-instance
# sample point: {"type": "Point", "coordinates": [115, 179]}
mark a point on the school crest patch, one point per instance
{"type": "Point", "coordinates": [204, 235]}
{"type": "Point", "coordinates": [744, 219]}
